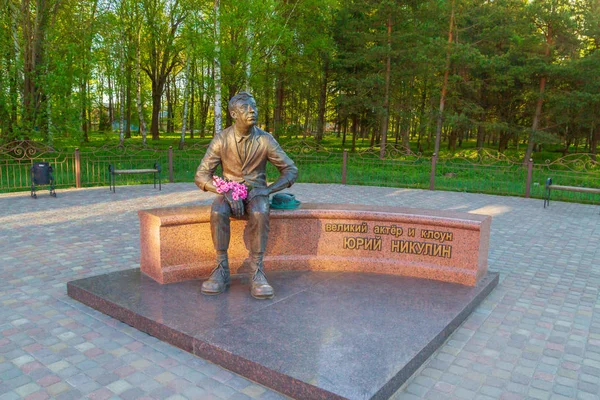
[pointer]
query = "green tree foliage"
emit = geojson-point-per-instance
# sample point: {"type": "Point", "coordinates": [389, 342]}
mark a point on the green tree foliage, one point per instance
{"type": "Point", "coordinates": [515, 74]}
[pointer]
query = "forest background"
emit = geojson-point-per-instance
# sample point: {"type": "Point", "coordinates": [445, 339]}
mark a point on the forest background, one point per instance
{"type": "Point", "coordinates": [505, 74]}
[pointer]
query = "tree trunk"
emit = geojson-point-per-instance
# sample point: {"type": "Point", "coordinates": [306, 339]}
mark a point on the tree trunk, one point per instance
{"type": "Point", "coordinates": [204, 102]}
{"type": "Point", "coordinates": [217, 73]}
{"type": "Point", "coordinates": [503, 142]}
{"type": "Point", "coordinates": [140, 107]}
{"type": "Point", "coordinates": [121, 116]}
{"type": "Point", "coordinates": [536, 120]}
{"type": "Point", "coordinates": [540, 102]}
{"type": "Point", "coordinates": [192, 98]}
{"type": "Point", "coordinates": [279, 98]}
{"type": "Point", "coordinates": [157, 89]}
{"type": "Point", "coordinates": [594, 142]}
{"type": "Point", "coordinates": [344, 131]}
{"type": "Point", "coordinates": [34, 26]}
{"type": "Point", "coordinates": [13, 77]}
{"type": "Point", "coordinates": [438, 131]}
{"type": "Point", "coordinates": [128, 101]}
{"type": "Point", "coordinates": [480, 138]}
{"type": "Point", "coordinates": [322, 100]}
{"type": "Point", "coordinates": [452, 136]}
{"type": "Point", "coordinates": [204, 117]}
{"type": "Point", "coordinates": [232, 90]}
{"type": "Point", "coordinates": [307, 116]}
{"type": "Point", "coordinates": [185, 105]}
{"type": "Point", "coordinates": [294, 110]}
{"type": "Point", "coordinates": [406, 133]}
{"type": "Point", "coordinates": [396, 125]}
{"type": "Point", "coordinates": [169, 98]}
{"type": "Point", "coordinates": [267, 109]}
{"type": "Point", "coordinates": [386, 100]}
{"type": "Point", "coordinates": [111, 104]}
{"type": "Point", "coordinates": [354, 131]}
{"type": "Point", "coordinates": [84, 122]}
{"type": "Point", "coordinates": [406, 136]}
{"type": "Point", "coordinates": [204, 99]}
{"type": "Point", "coordinates": [372, 144]}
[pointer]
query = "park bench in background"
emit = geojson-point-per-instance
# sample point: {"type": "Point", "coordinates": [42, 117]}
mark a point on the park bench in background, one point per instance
{"type": "Point", "coordinates": [41, 174]}
{"type": "Point", "coordinates": [113, 172]}
{"type": "Point", "coordinates": [550, 186]}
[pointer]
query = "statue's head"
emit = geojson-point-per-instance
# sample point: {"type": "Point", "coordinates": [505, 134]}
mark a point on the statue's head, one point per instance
{"type": "Point", "coordinates": [239, 99]}
{"type": "Point", "coordinates": [242, 108]}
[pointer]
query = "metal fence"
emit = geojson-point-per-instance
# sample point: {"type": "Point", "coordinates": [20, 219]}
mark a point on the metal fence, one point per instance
{"type": "Point", "coordinates": [17, 158]}
{"type": "Point", "coordinates": [480, 172]}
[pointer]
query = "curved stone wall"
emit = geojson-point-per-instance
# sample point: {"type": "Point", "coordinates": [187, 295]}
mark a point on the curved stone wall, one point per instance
{"type": "Point", "coordinates": [448, 246]}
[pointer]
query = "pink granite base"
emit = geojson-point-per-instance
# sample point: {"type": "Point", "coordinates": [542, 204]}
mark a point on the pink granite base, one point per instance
{"type": "Point", "coordinates": [447, 246]}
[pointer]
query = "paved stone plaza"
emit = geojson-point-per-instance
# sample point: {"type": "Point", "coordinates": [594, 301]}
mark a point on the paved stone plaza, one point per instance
{"type": "Point", "coordinates": [536, 336]}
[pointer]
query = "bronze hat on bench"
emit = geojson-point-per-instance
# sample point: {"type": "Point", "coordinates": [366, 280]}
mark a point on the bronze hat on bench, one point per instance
{"type": "Point", "coordinates": [284, 201]}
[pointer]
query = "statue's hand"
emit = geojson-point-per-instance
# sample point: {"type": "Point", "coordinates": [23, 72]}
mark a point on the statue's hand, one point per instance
{"type": "Point", "coordinates": [237, 206]}
{"type": "Point", "coordinates": [256, 192]}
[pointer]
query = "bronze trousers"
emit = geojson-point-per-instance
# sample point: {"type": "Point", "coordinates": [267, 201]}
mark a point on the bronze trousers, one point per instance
{"type": "Point", "coordinates": [257, 211]}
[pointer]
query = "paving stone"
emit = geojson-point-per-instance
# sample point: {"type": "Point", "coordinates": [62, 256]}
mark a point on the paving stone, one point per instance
{"type": "Point", "coordinates": [162, 392]}
{"type": "Point", "coordinates": [462, 393]}
{"type": "Point", "coordinates": [564, 390]}
{"type": "Point", "coordinates": [9, 396]}
{"type": "Point", "coordinates": [588, 387]}
{"type": "Point", "coordinates": [520, 378]}
{"type": "Point", "coordinates": [586, 396]}
{"type": "Point", "coordinates": [518, 388]}
{"type": "Point", "coordinates": [425, 381]}
{"type": "Point", "coordinates": [88, 387]}
{"type": "Point", "coordinates": [542, 384]}
{"type": "Point", "coordinates": [132, 393]}
{"type": "Point", "coordinates": [72, 394]}
{"type": "Point", "coordinates": [18, 381]}
{"type": "Point", "coordinates": [27, 389]}
{"type": "Point", "coordinates": [490, 391]}
{"type": "Point", "coordinates": [270, 395]}
{"type": "Point", "coordinates": [40, 395]}
{"type": "Point", "coordinates": [58, 388]}
{"type": "Point", "coordinates": [237, 382]}
{"type": "Point", "coordinates": [176, 397]}
{"type": "Point", "coordinates": [107, 379]}
{"type": "Point", "coordinates": [538, 394]}
{"type": "Point", "coordinates": [194, 392]}
{"type": "Point", "coordinates": [253, 390]}
{"type": "Point", "coordinates": [226, 392]}
{"type": "Point", "coordinates": [416, 389]}
{"type": "Point", "coordinates": [242, 396]}
{"type": "Point", "coordinates": [535, 325]}
{"type": "Point", "coordinates": [149, 385]}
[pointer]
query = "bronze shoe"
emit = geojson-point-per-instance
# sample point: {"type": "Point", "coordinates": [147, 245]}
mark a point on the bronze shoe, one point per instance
{"type": "Point", "coordinates": [260, 288]}
{"type": "Point", "coordinates": [217, 282]}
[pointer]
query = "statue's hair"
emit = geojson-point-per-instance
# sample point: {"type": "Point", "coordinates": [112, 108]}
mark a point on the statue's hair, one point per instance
{"type": "Point", "coordinates": [238, 98]}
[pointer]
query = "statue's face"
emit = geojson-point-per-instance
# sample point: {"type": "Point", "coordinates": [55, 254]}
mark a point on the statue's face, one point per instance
{"type": "Point", "coordinates": [245, 113]}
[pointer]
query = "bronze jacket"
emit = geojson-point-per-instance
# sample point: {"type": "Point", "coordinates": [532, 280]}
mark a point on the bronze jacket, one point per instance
{"type": "Point", "coordinates": [263, 147]}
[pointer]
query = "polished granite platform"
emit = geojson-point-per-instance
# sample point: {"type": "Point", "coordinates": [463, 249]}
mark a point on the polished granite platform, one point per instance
{"type": "Point", "coordinates": [326, 335]}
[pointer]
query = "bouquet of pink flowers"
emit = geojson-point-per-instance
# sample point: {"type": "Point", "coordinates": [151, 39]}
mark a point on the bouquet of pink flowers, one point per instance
{"type": "Point", "coordinates": [239, 191]}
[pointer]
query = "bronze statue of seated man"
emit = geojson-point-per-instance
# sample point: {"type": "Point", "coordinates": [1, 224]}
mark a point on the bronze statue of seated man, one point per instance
{"type": "Point", "coordinates": [243, 151]}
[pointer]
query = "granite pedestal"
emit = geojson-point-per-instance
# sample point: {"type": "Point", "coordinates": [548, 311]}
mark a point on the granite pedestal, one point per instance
{"type": "Point", "coordinates": [326, 335]}
{"type": "Point", "coordinates": [443, 245]}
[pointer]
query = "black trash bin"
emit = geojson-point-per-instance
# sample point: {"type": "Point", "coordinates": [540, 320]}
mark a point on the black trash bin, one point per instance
{"type": "Point", "coordinates": [41, 174]}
